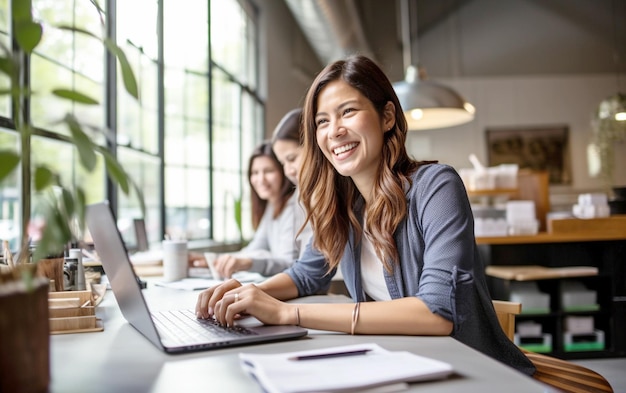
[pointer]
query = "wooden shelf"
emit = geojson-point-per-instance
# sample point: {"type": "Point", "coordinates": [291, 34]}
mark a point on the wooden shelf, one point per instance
{"type": "Point", "coordinates": [612, 225]}
{"type": "Point", "coordinates": [550, 238]}
{"type": "Point", "coordinates": [569, 230]}
{"type": "Point", "coordinates": [536, 272]}
{"type": "Point", "coordinates": [492, 192]}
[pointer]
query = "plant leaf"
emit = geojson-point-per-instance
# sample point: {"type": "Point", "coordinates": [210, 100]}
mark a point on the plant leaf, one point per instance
{"type": "Point", "coordinates": [43, 178]}
{"type": "Point", "coordinates": [7, 66]}
{"type": "Point", "coordinates": [68, 203]}
{"type": "Point", "coordinates": [9, 160]}
{"type": "Point", "coordinates": [81, 202]}
{"type": "Point", "coordinates": [75, 96]}
{"type": "Point", "coordinates": [75, 29]}
{"type": "Point", "coordinates": [83, 144]}
{"type": "Point", "coordinates": [115, 171]}
{"type": "Point", "coordinates": [237, 207]}
{"type": "Point", "coordinates": [130, 83]}
{"type": "Point", "coordinates": [28, 34]}
{"type": "Point", "coordinates": [95, 4]}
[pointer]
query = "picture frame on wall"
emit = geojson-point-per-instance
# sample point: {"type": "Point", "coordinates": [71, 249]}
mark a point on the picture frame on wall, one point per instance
{"type": "Point", "coordinates": [536, 148]}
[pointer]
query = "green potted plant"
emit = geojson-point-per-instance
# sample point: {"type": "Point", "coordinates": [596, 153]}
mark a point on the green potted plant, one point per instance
{"type": "Point", "coordinates": [24, 334]}
{"type": "Point", "coordinates": [609, 128]}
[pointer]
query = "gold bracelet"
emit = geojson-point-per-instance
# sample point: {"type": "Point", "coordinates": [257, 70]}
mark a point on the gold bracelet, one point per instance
{"type": "Point", "coordinates": [355, 317]}
{"type": "Point", "coordinates": [297, 316]}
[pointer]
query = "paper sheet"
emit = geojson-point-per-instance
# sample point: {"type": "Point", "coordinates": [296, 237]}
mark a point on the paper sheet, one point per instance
{"type": "Point", "coordinates": [377, 368]}
{"type": "Point", "coordinates": [196, 283]}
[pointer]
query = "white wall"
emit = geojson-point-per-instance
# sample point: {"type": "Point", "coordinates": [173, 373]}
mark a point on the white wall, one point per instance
{"type": "Point", "coordinates": [289, 63]}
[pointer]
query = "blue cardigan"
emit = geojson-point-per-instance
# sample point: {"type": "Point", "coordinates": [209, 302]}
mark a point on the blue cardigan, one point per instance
{"type": "Point", "coordinates": [439, 263]}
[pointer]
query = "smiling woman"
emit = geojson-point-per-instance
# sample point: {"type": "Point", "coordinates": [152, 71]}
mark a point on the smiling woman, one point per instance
{"type": "Point", "coordinates": [400, 230]}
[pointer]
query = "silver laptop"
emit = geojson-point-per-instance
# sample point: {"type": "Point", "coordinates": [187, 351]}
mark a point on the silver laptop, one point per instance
{"type": "Point", "coordinates": [175, 331]}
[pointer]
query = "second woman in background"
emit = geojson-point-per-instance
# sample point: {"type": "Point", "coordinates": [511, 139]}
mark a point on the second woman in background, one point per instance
{"type": "Point", "coordinates": [272, 248]}
{"type": "Point", "coordinates": [287, 146]}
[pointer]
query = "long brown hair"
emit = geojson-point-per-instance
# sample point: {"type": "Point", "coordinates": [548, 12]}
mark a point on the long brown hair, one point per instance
{"type": "Point", "coordinates": [286, 191]}
{"type": "Point", "coordinates": [328, 197]}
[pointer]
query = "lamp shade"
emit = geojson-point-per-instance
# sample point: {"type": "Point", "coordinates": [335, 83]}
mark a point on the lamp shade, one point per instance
{"type": "Point", "coordinates": [430, 105]}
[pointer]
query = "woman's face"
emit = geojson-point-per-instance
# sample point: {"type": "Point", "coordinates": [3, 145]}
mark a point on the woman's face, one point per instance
{"type": "Point", "coordinates": [289, 154]}
{"type": "Point", "coordinates": [266, 178]}
{"type": "Point", "coordinates": [349, 131]}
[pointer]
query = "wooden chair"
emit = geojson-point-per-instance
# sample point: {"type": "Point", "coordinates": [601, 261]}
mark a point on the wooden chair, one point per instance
{"type": "Point", "coordinates": [560, 374]}
{"type": "Point", "coordinates": [506, 312]}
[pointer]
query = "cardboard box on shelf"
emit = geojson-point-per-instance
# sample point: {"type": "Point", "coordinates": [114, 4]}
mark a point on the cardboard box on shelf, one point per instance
{"type": "Point", "coordinates": [576, 297]}
{"type": "Point", "coordinates": [579, 325]}
{"type": "Point", "coordinates": [532, 299]}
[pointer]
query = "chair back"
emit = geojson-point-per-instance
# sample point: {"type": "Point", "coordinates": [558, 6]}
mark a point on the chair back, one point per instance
{"type": "Point", "coordinates": [506, 312]}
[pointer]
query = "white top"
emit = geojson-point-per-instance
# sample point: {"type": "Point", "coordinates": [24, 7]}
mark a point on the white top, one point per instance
{"type": "Point", "coordinates": [307, 233]}
{"type": "Point", "coordinates": [273, 247]}
{"type": "Point", "coordinates": [372, 272]}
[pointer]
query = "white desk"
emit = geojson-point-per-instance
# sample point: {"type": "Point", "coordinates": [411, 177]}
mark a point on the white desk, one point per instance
{"type": "Point", "coordinates": [120, 359]}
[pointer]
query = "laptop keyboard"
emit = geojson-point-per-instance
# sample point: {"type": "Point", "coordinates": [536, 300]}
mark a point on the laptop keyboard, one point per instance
{"type": "Point", "coordinates": [183, 327]}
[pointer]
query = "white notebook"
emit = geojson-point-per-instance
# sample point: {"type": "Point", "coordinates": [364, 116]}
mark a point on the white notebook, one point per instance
{"type": "Point", "coordinates": [363, 366]}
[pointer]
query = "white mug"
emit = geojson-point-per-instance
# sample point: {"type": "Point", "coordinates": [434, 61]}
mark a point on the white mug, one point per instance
{"type": "Point", "coordinates": [175, 260]}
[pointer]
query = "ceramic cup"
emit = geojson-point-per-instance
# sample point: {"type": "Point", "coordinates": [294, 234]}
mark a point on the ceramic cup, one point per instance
{"type": "Point", "coordinates": [174, 260]}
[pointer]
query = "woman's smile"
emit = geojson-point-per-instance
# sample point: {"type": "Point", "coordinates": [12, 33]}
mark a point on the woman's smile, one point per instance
{"type": "Point", "coordinates": [345, 148]}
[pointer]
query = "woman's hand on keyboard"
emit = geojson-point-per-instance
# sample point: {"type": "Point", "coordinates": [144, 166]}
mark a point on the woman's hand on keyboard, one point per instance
{"type": "Point", "coordinates": [235, 300]}
{"type": "Point", "coordinates": [207, 299]}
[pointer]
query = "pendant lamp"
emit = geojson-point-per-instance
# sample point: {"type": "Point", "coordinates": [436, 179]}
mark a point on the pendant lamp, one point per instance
{"type": "Point", "coordinates": [427, 104]}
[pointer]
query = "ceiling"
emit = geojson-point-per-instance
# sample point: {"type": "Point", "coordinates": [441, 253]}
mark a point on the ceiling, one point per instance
{"type": "Point", "coordinates": [339, 27]}
{"type": "Point", "coordinates": [336, 28]}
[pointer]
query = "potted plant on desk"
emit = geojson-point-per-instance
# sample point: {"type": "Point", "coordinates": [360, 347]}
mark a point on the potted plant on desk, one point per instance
{"type": "Point", "coordinates": [609, 128]}
{"type": "Point", "coordinates": [24, 329]}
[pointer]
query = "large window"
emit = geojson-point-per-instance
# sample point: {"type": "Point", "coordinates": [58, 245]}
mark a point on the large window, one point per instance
{"type": "Point", "coordinates": [185, 143]}
{"type": "Point", "coordinates": [138, 121]}
{"type": "Point", "coordinates": [237, 112]}
{"type": "Point", "coordinates": [5, 41]}
{"type": "Point", "coordinates": [187, 121]}
{"type": "Point", "coordinates": [66, 59]}
{"type": "Point", "coordinates": [9, 195]}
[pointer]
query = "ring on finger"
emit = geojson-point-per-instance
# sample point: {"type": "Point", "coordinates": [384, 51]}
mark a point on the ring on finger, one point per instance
{"type": "Point", "coordinates": [236, 296]}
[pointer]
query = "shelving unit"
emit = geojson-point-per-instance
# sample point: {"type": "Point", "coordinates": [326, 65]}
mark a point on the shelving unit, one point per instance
{"type": "Point", "coordinates": [597, 243]}
{"type": "Point", "coordinates": [553, 320]}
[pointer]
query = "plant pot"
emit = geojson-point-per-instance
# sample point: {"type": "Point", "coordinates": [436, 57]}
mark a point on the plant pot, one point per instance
{"type": "Point", "coordinates": [24, 336]}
